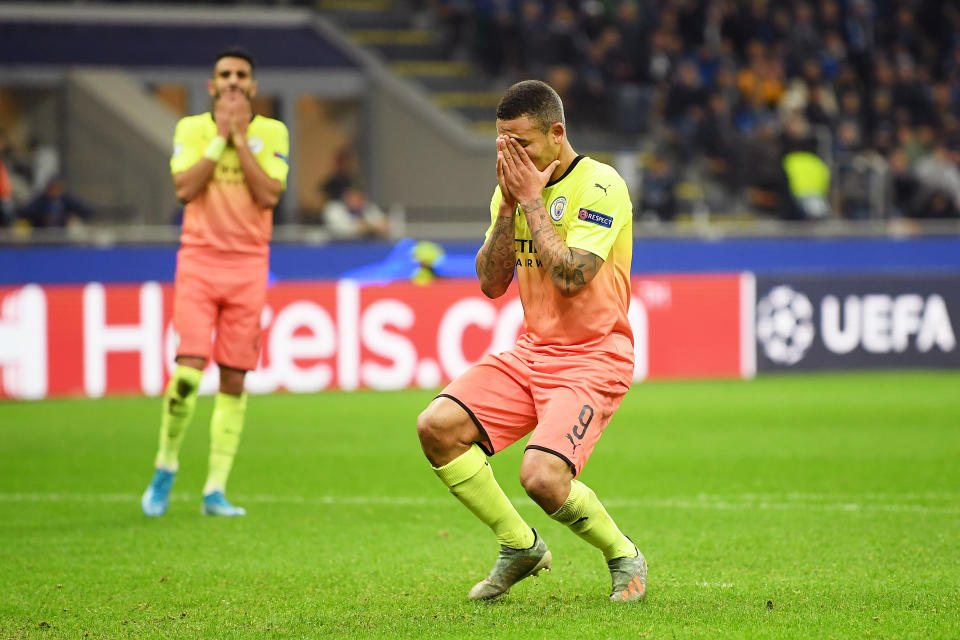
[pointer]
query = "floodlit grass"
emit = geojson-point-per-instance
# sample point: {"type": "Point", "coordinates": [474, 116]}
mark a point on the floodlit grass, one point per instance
{"type": "Point", "coordinates": [785, 507]}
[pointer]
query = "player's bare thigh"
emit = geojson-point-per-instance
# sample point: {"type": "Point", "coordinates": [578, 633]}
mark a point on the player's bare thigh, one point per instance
{"type": "Point", "coordinates": [446, 431]}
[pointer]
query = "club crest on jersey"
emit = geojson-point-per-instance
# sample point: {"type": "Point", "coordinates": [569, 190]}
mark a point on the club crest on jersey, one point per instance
{"type": "Point", "coordinates": [596, 218]}
{"type": "Point", "coordinates": [255, 144]}
{"type": "Point", "coordinates": [557, 207]}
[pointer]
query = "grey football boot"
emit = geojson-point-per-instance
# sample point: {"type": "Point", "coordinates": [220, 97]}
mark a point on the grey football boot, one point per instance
{"type": "Point", "coordinates": [512, 566]}
{"type": "Point", "coordinates": [629, 578]}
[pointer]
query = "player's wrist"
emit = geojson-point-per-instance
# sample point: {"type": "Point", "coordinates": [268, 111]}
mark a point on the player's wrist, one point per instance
{"type": "Point", "coordinates": [215, 149]}
{"type": "Point", "coordinates": [529, 204]}
{"type": "Point", "coordinates": [506, 210]}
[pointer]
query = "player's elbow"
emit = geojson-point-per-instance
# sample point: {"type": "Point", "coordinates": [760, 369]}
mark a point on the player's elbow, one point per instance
{"type": "Point", "coordinates": [569, 289]}
{"type": "Point", "coordinates": [185, 194]}
{"type": "Point", "coordinates": [492, 290]}
{"type": "Point", "coordinates": [571, 292]}
{"type": "Point", "coordinates": [268, 195]}
{"type": "Point", "coordinates": [267, 200]}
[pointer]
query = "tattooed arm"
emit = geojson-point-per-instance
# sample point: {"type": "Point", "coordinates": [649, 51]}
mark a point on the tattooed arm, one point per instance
{"type": "Point", "coordinates": [496, 258]}
{"type": "Point", "coordinates": [570, 269]}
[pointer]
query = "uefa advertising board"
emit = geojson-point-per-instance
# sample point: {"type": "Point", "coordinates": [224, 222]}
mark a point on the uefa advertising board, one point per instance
{"type": "Point", "coordinates": [857, 322]}
{"type": "Point", "coordinates": [95, 339]}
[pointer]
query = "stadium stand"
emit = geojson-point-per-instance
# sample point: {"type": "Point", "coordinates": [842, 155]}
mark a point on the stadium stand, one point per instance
{"type": "Point", "coordinates": [707, 89]}
{"type": "Point", "coordinates": [725, 117]}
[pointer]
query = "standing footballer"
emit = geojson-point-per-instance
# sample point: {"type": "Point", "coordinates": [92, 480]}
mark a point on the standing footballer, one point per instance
{"type": "Point", "coordinates": [563, 223]}
{"type": "Point", "coordinates": [229, 168]}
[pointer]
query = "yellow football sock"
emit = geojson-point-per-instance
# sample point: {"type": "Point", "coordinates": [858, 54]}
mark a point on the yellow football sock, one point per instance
{"type": "Point", "coordinates": [179, 402]}
{"type": "Point", "coordinates": [225, 428]}
{"type": "Point", "coordinates": [587, 518]}
{"type": "Point", "coordinates": [471, 480]}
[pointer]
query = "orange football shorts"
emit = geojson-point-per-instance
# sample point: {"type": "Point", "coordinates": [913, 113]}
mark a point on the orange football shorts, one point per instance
{"type": "Point", "coordinates": [564, 396]}
{"type": "Point", "coordinates": [219, 292]}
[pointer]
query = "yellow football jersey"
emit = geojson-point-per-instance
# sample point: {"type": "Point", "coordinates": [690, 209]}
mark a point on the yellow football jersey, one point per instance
{"type": "Point", "coordinates": [224, 216]}
{"type": "Point", "coordinates": [591, 209]}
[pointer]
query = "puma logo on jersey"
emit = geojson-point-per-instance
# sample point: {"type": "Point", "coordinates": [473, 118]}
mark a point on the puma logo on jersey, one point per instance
{"type": "Point", "coordinates": [572, 442]}
{"type": "Point", "coordinates": [600, 186]}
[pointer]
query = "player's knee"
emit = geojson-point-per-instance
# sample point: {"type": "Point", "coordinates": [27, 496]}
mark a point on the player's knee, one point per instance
{"type": "Point", "coordinates": [444, 427]}
{"type": "Point", "coordinates": [431, 429]}
{"type": "Point", "coordinates": [537, 481]}
{"type": "Point", "coordinates": [546, 484]}
{"type": "Point", "coordinates": [231, 381]}
{"type": "Point", "coordinates": [232, 387]}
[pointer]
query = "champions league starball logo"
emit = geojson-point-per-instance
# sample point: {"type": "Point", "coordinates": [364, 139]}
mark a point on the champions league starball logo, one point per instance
{"type": "Point", "coordinates": [785, 325]}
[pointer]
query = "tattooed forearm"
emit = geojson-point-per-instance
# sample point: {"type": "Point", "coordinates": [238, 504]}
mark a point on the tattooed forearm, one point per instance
{"type": "Point", "coordinates": [496, 259]}
{"type": "Point", "coordinates": [570, 269]}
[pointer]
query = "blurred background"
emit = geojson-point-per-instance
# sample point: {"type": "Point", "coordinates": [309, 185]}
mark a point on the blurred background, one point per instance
{"type": "Point", "coordinates": [758, 137]}
{"type": "Point", "coordinates": [744, 116]}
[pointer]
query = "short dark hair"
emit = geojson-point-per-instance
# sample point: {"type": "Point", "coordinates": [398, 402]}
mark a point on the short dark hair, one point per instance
{"type": "Point", "coordinates": [535, 99]}
{"type": "Point", "coordinates": [236, 52]}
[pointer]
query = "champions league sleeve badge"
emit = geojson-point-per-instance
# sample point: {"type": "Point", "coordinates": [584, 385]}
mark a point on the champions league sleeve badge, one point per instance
{"type": "Point", "coordinates": [596, 218]}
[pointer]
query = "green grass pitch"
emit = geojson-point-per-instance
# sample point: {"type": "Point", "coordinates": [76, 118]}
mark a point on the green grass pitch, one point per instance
{"type": "Point", "coordinates": [785, 507]}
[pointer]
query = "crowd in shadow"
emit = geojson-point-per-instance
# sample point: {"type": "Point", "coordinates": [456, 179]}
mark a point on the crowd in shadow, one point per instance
{"type": "Point", "coordinates": [33, 193]}
{"type": "Point", "coordinates": [799, 110]}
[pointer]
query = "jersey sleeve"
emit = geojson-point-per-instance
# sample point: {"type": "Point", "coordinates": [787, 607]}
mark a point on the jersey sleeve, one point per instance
{"type": "Point", "coordinates": [187, 146]}
{"type": "Point", "coordinates": [274, 158]}
{"type": "Point", "coordinates": [601, 213]}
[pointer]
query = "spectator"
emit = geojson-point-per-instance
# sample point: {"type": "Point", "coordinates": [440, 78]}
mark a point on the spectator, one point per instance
{"type": "Point", "coordinates": [857, 176]}
{"type": "Point", "coordinates": [344, 174]}
{"type": "Point", "coordinates": [762, 80]}
{"type": "Point", "coordinates": [659, 185]}
{"type": "Point", "coordinates": [939, 179]}
{"type": "Point", "coordinates": [903, 187]}
{"type": "Point", "coordinates": [760, 170]}
{"type": "Point", "coordinates": [454, 18]}
{"type": "Point", "coordinates": [45, 161]}
{"type": "Point", "coordinates": [354, 216]}
{"type": "Point", "coordinates": [821, 107]}
{"type": "Point", "coordinates": [531, 37]}
{"type": "Point", "coordinates": [54, 207]}
{"type": "Point", "coordinates": [941, 205]}
{"type": "Point", "coordinates": [567, 43]}
{"type": "Point", "coordinates": [597, 75]}
{"type": "Point", "coordinates": [495, 36]}
{"type": "Point", "coordinates": [716, 139]}
{"type": "Point", "coordinates": [686, 95]}
{"type": "Point", "coordinates": [6, 188]}
{"type": "Point", "coordinates": [808, 178]}
{"type": "Point", "coordinates": [833, 55]}
{"type": "Point", "coordinates": [633, 42]}
{"type": "Point", "coordinates": [803, 40]}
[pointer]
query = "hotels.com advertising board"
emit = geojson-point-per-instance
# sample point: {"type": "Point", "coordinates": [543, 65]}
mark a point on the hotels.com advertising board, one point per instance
{"type": "Point", "coordinates": [98, 339]}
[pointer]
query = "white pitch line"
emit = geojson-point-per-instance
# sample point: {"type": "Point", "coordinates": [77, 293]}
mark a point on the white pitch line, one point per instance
{"type": "Point", "coordinates": [893, 503]}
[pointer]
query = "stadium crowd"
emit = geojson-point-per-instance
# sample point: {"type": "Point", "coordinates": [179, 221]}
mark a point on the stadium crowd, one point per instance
{"type": "Point", "coordinates": [33, 194]}
{"type": "Point", "coordinates": [796, 109]}
{"type": "Point", "coordinates": [799, 110]}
